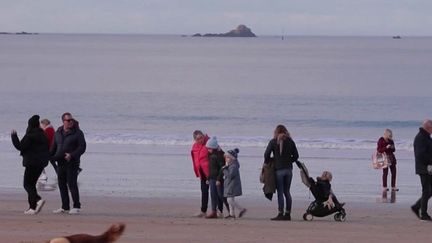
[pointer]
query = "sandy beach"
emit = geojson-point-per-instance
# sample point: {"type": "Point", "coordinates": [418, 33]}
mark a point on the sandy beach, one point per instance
{"type": "Point", "coordinates": [157, 205]}
{"type": "Point", "coordinates": [170, 220]}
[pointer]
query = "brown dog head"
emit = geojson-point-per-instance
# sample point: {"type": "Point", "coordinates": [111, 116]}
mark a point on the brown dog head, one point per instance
{"type": "Point", "coordinates": [115, 231]}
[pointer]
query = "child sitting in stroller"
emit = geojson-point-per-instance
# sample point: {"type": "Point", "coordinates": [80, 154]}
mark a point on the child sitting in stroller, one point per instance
{"type": "Point", "coordinates": [325, 202]}
{"type": "Point", "coordinates": [321, 189]}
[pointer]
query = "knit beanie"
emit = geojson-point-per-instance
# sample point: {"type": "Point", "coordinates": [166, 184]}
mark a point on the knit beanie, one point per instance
{"type": "Point", "coordinates": [212, 143]}
{"type": "Point", "coordinates": [232, 153]}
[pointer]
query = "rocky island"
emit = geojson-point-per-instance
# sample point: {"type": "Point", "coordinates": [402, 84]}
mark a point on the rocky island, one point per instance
{"type": "Point", "coordinates": [18, 33]}
{"type": "Point", "coordinates": [240, 31]}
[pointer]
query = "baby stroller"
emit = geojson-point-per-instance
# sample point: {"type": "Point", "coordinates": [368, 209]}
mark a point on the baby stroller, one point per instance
{"type": "Point", "coordinates": [318, 207]}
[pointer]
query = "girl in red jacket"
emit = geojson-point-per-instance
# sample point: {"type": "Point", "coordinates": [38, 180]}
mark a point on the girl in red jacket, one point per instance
{"type": "Point", "coordinates": [386, 145]}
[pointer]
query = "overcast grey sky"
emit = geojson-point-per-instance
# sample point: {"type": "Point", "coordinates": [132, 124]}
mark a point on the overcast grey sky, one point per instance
{"type": "Point", "coordinates": [264, 17]}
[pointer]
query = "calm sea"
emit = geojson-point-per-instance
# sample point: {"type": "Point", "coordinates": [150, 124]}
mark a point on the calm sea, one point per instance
{"type": "Point", "coordinates": [135, 93]}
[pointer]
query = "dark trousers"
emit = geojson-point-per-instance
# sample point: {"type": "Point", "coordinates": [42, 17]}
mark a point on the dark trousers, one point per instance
{"type": "Point", "coordinates": [31, 175]}
{"type": "Point", "coordinates": [67, 174]}
{"type": "Point", "coordinates": [215, 195]}
{"type": "Point", "coordinates": [222, 200]}
{"type": "Point", "coordinates": [204, 195]}
{"type": "Point", "coordinates": [422, 203]}
{"type": "Point", "coordinates": [393, 175]}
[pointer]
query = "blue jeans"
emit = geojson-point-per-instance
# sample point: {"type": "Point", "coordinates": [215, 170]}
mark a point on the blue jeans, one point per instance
{"type": "Point", "coordinates": [283, 185]}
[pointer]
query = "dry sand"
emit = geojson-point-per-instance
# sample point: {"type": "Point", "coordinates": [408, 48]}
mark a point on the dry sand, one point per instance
{"type": "Point", "coordinates": [170, 220]}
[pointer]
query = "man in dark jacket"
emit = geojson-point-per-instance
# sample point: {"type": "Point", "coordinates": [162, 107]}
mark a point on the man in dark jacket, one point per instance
{"type": "Point", "coordinates": [69, 145]}
{"type": "Point", "coordinates": [423, 167]}
{"type": "Point", "coordinates": [34, 149]}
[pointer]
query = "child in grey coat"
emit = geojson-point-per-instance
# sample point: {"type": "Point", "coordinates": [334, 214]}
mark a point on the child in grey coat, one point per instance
{"type": "Point", "coordinates": [232, 182]}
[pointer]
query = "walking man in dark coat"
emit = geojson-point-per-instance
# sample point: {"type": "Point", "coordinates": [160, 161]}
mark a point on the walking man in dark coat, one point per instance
{"type": "Point", "coordinates": [423, 167]}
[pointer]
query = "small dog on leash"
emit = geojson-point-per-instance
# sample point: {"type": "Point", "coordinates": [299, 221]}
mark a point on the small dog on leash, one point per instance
{"type": "Point", "coordinates": [111, 235]}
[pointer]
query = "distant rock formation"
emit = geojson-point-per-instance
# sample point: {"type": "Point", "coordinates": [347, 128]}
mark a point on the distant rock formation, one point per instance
{"type": "Point", "coordinates": [18, 33]}
{"type": "Point", "coordinates": [240, 31]}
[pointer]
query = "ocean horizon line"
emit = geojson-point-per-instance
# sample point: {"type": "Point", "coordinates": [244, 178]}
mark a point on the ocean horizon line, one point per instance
{"type": "Point", "coordinates": [19, 33]}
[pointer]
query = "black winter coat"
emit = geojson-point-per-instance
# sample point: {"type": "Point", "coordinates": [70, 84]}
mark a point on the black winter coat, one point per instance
{"type": "Point", "coordinates": [72, 142]}
{"type": "Point", "coordinates": [216, 162]}
{"type": "Point", "coordinates": [34, 147]}
{"type": "Point", "coordinates": [422, 151]}
{"type": "Point", "coordinates": [323, 189]}
{"type": "Point", "coordinates": [285, 159]}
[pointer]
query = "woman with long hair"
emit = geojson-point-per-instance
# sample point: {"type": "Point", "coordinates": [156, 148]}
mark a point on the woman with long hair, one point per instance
{"type": "Point", "coordinates": [284, 151]}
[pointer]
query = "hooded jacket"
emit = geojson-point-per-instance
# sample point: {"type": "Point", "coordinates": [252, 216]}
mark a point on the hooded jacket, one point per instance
{"type": "Point", "coordinates": [33, 146]}
{"type": "Point", "coordinates": [422, 151]}
{"type": "Point", "coordinates": [72, 142]}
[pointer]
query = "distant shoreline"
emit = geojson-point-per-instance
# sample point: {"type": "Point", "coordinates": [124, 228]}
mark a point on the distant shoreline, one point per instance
{"type": "Point", "coordinates": [189, 36]}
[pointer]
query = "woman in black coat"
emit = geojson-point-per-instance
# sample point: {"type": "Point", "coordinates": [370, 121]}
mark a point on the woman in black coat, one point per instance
{"type": "Point", "coordinates": [34, 149]}
{"type": "Point", "coordinates": [284, 151]}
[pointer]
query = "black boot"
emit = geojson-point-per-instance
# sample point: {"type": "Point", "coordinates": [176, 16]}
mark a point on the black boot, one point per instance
{"type": "Point", "coordinates": [280, 216]}
{"type": "Point", "coordinates": [287, 217]}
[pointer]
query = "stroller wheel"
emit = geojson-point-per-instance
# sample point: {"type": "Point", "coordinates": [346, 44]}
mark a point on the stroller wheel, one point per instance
{"type": "Point", "coordinates": [308, 217]}
{"type": "Point", "coordinates": [340, 217]}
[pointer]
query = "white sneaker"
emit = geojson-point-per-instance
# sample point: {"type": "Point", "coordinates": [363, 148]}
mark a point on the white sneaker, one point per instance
{"type": "Point", "coordinates": [30, 212]}
{"type": "Point", "coordinates": [75, 211]}
{"type": "Point", "coordinates": [220, 214]}
{"type": "Point", "coordinates": [39, 205]}
{"type": "Point", "coordinates": [60, 210]}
